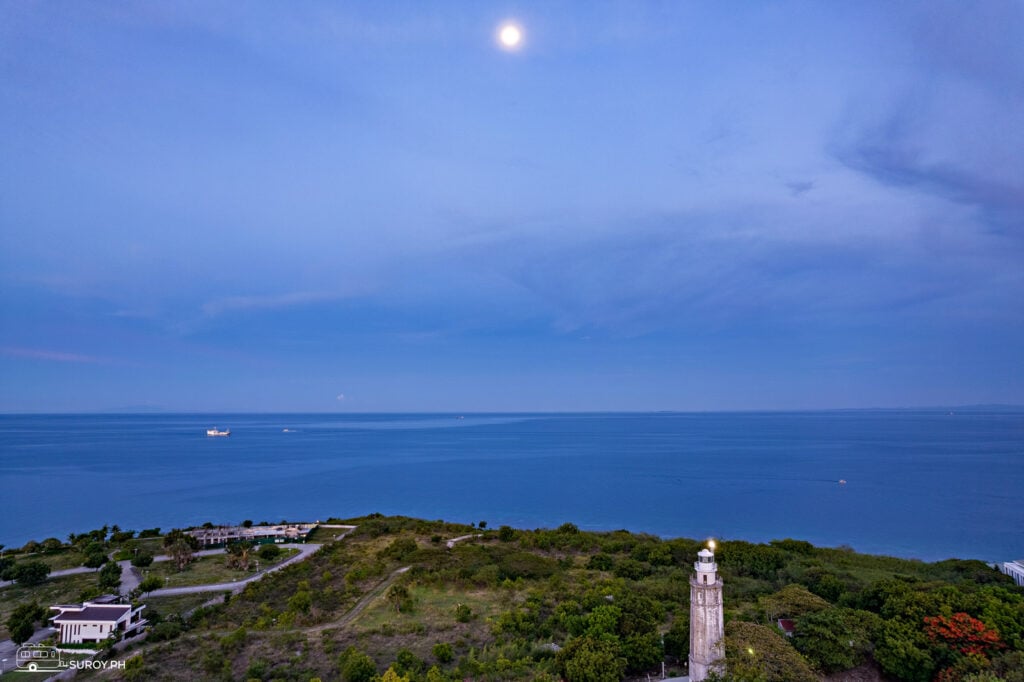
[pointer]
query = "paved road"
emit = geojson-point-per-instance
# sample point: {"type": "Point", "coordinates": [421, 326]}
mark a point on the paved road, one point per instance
{"type": "Point", "coordinates": [83, 569]}
{"type": "Point", "coordinates": [305, 551]}
{"type": "Point", "coordinates": [57, 574]}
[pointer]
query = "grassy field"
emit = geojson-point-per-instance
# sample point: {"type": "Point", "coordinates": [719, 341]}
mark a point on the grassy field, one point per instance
{"type": "Point", "coordinates": [208, 570]}
{"type": "Point", "coordinates": [433, 609]}
{"type": "Point", "coordinates": [54, 591]}
{"type": "Point", "coordinates": [152, 546]}
{"type": "Point", "coordinates": [181, 603]}
{"type": "Point", "coordinates": [59, 560]}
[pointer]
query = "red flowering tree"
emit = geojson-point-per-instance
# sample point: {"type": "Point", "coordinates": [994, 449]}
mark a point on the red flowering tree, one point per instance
{"type": "Point", "coordinates": [962, 633]}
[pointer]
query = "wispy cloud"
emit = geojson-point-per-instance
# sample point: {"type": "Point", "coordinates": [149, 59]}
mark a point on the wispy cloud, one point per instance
{"type": "Point", "coordinates": [50, 355]}
{"type": "Point", "coordinates": [798, 188]}
{"type": "Point", "coordinates": [891, 155]}
{"type": "Point", "coordinates": [231, 304]}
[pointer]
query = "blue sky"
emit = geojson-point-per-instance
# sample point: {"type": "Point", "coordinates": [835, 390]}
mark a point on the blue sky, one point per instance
{"type": "Point", "coordinates": [370, 206]}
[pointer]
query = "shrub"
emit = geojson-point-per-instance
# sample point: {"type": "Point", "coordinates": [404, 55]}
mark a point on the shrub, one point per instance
{"type": "Point", "coordinates": [443, 652]}
{"type": "Point", "coordinates": [356, 666]}
{"type": "Point", "coordinates": [269, 552]}
{"type": "Point", "coordinates": [162, 632]}
{"type": "Point", "coordinates": [142, 560]}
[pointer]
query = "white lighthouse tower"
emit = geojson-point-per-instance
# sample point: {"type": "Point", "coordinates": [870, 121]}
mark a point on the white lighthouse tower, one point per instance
{"type": "Point", "coordinates": [706, 616]}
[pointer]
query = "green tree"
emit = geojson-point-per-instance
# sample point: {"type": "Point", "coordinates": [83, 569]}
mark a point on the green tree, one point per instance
{"type": "Point", "coordinates": [642, 651]}
{"type": "Point", "coordinates": [591, 659]}
{"type": "Point", "coordinates": [52, 544]}
{"type": "Point", "coordinates": [21, 631]}
{"type": "Point", "coordinates": [836, 639]}
{"type": "Point", "coordinates": [95, 553]}
{"type": "Point", "coordinates": [21, 622]}
{"type": "Point", "coordinates": [399, 549]}
{"type": "Point", "coordinates": [390, 675]}
{"type": "Point", "coordinates": [398, 596]}
{"type": "Point", "coordinates": [755, 651]}
{"type": "Point", "coordinates": [406, 662]}
{"type": "Point", "coordinates": [677, 639]}
{"type": "Point", "coordinates": [903, 651]}
{"type": "Point", "coordinates": [603, 620]}
{"type": "Point", "coordinates": [30, 573]}
{"type": "Point", "coordinates": [356, 666]}
{"type": "Point", "coordinates": [110, 576]}
{"type": "Point", "coordinates": [823, 583]}
{"type": "Point", "coordinates": [150, 583]}
{"type": "Point", "coordinates": [142, 560]}
{"type": "Point", "coordinates": [269, 552]}
{"type": "Point", "coordinates": [792, 601]}
{"type": "Point", "coordinates": [238, 555]}
{"type": "Point", "coordinates": [435, 675]}
{"type": "Point", "coordinates": [463, 613]}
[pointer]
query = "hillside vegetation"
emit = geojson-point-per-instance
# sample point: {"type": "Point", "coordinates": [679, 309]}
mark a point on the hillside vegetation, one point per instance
{"type": "Point", "coordinates": [566, 604]}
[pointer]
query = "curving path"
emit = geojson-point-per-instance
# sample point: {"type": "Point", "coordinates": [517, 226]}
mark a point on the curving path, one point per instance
{"type": "Point", "coordinates": [359, 606]}
{"type": "Point", "coordinates": [451, 543]}
{"type": "Point", "coordinates": [305, 551]}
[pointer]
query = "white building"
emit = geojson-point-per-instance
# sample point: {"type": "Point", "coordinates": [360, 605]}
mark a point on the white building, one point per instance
{"type": "Point", "coordinates": [95, 621]}
{"type": "Point", "coordinates": [221, 536]}
{"type": "Point", "coordinates": [1014, 569]}
{"type": "Point", "coordinates": [707, 618]}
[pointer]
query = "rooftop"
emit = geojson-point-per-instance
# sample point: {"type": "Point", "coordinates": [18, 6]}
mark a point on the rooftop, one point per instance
{"type": "Point", "coordinates": [94, 612]}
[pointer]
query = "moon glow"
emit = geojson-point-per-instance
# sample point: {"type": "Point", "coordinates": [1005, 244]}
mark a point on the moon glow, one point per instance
{"type": "Point", "coordinates": [510, 36]}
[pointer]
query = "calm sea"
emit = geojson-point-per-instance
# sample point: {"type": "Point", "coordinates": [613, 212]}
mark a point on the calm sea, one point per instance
{"type": "Point", "coordinates": [919, 484]}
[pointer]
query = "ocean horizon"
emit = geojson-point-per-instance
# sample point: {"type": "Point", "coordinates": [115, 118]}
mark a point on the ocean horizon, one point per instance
{"type": "Point", "coordinates": [918, 483]}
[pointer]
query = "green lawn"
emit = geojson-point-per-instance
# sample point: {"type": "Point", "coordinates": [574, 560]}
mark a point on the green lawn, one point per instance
{"type": "Point", "coordinates": [208, 570]}
{"type": "Point", "coordinates": [153, 546]}
{"type": "Point", "coordinates": [59, 560]}
{"type": "Point", "coordinates": [434, 608]}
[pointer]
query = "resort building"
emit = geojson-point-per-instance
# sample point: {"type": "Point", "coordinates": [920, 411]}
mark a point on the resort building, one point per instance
{"type": "Point", "coordinates": [260, 535]}
{"type": "Point", "coordinates": [95, 621]}
{"type": "Point", "coordinates": [1014, 569]}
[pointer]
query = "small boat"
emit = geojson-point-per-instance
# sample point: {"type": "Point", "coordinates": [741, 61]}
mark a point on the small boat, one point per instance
{"type": "Point", "coordinates": [842, 481]}
{"type": "Point", "coordinates": [215, 432]}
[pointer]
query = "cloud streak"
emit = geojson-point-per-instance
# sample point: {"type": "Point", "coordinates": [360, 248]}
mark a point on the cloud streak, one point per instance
{"type": "Point", "coordinates": [237, 304]}
{"type": "Point", "coordinates": [51, 355]}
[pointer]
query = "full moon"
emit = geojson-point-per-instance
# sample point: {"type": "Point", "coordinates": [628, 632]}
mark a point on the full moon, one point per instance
{"type": "Point", "coordinates": [510, 36]}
